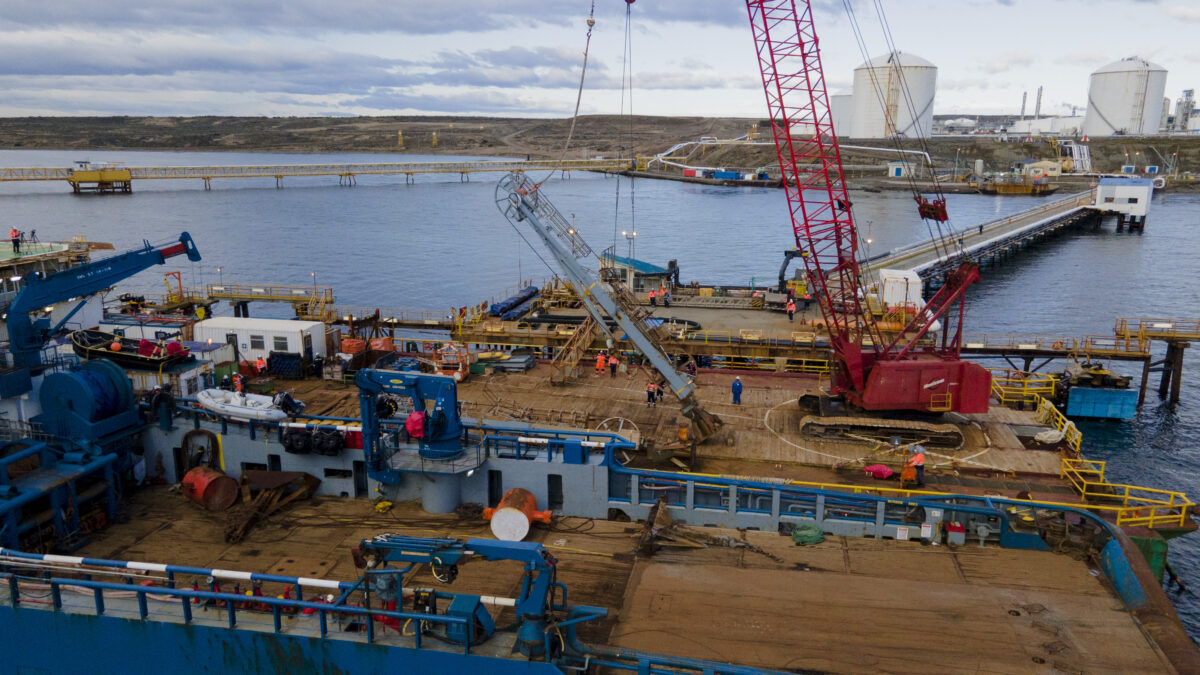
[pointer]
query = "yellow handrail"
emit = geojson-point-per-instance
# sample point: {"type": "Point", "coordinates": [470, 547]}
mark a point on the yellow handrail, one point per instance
{"type": "Point", "coordinates": [1015, 386]}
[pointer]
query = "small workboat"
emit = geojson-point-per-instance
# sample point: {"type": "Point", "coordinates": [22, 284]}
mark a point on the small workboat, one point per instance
{"type": "Point", "coordinates": [129, 353]}
{"type": "Point", "coordinates": [241, 406]}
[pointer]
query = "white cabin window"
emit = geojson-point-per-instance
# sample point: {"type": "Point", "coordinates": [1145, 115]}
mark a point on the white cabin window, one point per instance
{"type": "Point", "coordinates": [257, 342]}
{"type": "Point", "coordinates": [281, 343]}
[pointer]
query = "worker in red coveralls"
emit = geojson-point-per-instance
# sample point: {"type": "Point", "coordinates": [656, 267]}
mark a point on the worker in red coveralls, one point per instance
{"type": "Point", "coordinates": [260, 366]}
{"type": "Point", "coordinates": [237, 383]}
{"type": "Point", "coordinates": [601, 359]}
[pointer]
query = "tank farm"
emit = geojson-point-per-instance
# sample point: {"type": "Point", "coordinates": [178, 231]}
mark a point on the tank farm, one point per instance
{"type": "Point", "coordinates": [608, 470]}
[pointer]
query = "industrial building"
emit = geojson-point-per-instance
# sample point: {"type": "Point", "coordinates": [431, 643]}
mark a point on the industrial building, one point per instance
{"type": "Point", "coordinates": [893, 96]}
{"type": "Point", "coordinates": [1125, 98]}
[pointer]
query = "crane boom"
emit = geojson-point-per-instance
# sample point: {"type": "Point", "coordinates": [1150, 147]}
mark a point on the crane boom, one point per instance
{"type": "Point", "coordinates": [519, 199]}
{"type": "Point", "coordinates": [872, 373]}
{"type": "Point", "coordinates": [27, 336]}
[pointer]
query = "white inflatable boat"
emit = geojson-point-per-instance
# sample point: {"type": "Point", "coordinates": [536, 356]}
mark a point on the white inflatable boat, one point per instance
{"type": "Point", "coordinates": [241, 406]}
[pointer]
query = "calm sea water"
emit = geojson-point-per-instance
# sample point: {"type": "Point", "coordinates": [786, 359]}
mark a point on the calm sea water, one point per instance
{"type": "Point", "coordinates": [442, 243]}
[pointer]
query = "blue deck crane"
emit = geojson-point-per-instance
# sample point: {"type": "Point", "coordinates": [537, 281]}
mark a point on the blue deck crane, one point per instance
{"type": "Point", "coordinates": [27, 336]}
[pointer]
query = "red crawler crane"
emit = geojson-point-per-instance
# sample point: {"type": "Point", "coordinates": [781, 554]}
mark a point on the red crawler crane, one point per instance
{"type": "Point", "coordinates": [905, 372]}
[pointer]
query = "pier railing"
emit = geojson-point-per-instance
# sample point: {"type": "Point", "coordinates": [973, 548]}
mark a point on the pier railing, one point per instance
{"type": "Point", "coordinates": [1017, 386]}
{"type": "Point", "coordinates": [1142, 328]}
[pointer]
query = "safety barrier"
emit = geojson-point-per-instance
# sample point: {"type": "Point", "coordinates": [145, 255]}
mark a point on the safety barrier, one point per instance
{"type": "Point", "coordinates": [1017, 386]}
{"type": "Point", "coordinates": [1150, 507]}
{"type": "Point", "coordinates": [1157, 329]}
{"type": "Point", "coordinates": [1047, 412]}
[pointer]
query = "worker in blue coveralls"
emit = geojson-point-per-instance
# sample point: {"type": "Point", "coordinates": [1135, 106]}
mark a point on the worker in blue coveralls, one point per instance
{"type": "Point", "coordinates": [737, 390]}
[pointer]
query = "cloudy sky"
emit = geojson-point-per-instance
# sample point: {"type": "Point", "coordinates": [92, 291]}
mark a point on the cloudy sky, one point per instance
{"type": "Point", "coordinates": [522, 57]}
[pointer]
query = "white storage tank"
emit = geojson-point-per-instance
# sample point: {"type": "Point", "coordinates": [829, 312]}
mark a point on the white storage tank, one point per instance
{"type": "Point", "coordinates": [880, 107]}
{"type": "Point", "coordinates": [841, 108]}
{"type": "Point", "coordinates": [1125, 97]}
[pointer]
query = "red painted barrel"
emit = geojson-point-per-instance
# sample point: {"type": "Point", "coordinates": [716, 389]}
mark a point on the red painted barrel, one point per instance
{"type": "Point", "coordinates": [512, 516]}
{"type": "Point", "coordinates": [210, 488]}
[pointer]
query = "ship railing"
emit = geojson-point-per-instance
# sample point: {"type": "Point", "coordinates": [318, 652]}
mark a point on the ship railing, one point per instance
{"type": "Point", "coordinates": [261, 613]}
{"type": "Point", "coordinates": [1017, 386]}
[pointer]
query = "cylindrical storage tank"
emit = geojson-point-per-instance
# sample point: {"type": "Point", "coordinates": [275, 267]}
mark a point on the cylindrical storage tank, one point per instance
{"type": "Point", "coordinates": [440, 493]}
{"type": "Point", "coordinates": [893, 95]}
{"type": "Point", "coordinates": [1125, 97]}
{"type": "Point", "coordinates": [841, 109]}
{"type": "Point", "coordinates": [210, 488]}
{"type": "Point", "coordinates": [512, 516]}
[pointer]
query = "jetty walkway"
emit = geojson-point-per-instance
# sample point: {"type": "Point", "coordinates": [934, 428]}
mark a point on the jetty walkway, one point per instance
{"type": "Point", "coordinates": [118, 178]}
{"type": "Point", "coordinates": [989, 241]}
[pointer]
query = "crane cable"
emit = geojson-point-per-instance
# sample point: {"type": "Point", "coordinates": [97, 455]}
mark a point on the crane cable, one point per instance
{"type": "Point", "coordinates": [591, 23]}
{"type": "Point", "coordinates": [912, 112]}
{"type": "Point", "coordinates": [626, 77]}
{"type": "Point", "coordinates": [942, 243]}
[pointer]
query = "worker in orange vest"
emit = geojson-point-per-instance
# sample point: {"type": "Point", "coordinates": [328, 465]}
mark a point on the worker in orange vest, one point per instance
{"type": "Point", "coordinates": [651, 394]}
{"type": "Point", "coordinates": [15, 235]}
{"type": "Point", "coordinates": [653, 295]}
{"type": "Point", "coordinates": [260, 366]}
{"type": "Point", "coordinates": [791, 308]}
{"type": "Point", "coordinates": [237, 383]}
{"type": "Point", "coordinates": [601, 359]}
{"type": "Point", "coordinates": [612, 365]}
{"type": "Point", "coordinates": [917, 461]}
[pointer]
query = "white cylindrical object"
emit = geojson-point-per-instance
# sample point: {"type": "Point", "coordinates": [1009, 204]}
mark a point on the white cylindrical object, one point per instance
{"type": "Point", "coordinates": [1125, 97]}
{"type": "Point", "coordinates": [510, 524]}
{"type": "Point", "coordinates": [841, 109]}
{"type": "Point", "coordinates": [893, 95]}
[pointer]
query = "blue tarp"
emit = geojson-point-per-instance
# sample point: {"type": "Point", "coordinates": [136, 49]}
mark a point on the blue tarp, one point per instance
{"type": "Point", "coordinates": [499, 308]}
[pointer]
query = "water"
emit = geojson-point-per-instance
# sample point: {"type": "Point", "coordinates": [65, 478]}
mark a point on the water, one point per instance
{"type": "Point", "coordinates": [441, 243]}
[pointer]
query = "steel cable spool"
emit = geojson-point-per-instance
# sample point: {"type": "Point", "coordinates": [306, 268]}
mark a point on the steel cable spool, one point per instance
{"type": "Point", "coordinates": [95, 391]}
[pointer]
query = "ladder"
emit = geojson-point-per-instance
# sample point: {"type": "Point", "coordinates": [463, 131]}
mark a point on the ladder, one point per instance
{"type": "Point", "coordinates": [565, 367]}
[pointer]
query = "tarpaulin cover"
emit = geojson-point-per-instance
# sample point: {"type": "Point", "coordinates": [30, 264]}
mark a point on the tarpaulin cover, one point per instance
{"type": "Point", "coordinates": [415, 424]}
{"type": "Point", "coordinates": [878, 471]}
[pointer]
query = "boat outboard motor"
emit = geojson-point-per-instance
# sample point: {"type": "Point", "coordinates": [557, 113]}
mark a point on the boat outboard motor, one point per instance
{"type": "Point", "coordinates": [285, 402]}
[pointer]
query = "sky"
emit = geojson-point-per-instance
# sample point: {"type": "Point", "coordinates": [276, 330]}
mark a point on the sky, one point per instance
{"type": "Point", "coordinates": [522, 58]}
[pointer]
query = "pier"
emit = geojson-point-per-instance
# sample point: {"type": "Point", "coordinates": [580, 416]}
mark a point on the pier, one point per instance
{"type": "Point", "coordinates": [103, 179]}
{"type": "Point", "coordinates": [989, 242]}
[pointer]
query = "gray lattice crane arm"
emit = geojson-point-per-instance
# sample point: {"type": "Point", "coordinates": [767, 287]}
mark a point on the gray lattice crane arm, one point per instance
{"type": "Point", "coordinates": [519, 199]}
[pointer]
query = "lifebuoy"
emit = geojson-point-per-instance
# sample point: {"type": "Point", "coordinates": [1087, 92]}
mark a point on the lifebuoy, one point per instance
{"type": "Point", "coordinates": [1058, 344]}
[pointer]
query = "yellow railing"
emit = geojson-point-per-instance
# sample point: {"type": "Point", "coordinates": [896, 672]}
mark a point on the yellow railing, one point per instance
{"type": "Point", "coordinates": [1047, 412]}
{"type": "Point", "coordinates": [1016, 386]}
{"type": "Point", "coordinates": [1158, 329]}
{"type": "Point", "coordinates": [941, 402]}
{"type": "Point", "coordinates": [1139, 505]}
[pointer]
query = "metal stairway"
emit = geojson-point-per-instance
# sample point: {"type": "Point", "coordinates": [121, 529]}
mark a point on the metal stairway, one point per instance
{"type": "Point", "coordinates": [565, 367]}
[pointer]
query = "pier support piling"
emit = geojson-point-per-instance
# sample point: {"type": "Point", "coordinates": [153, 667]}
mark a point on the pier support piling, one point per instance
{"type": "Point", "coordinates": [1172, 371]}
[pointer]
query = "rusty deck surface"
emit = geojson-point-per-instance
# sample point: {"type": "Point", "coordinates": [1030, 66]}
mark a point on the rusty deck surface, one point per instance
{"type": "Point", "coordinates": [882, 606]}
{"type": "Point", "coordinates": [846, 605]}
{"type": "Point", "coordinates": [760, 438]}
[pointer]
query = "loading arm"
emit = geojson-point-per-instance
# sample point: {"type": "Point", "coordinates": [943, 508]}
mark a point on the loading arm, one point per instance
{"type": "Point", "coordinates": [28, 336]}
{"type": "Point", "coordinates": [519, 199]}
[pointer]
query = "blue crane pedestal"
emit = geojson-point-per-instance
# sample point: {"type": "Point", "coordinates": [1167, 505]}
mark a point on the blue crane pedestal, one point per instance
{"type": "Point", "coordinates": [440, 493]}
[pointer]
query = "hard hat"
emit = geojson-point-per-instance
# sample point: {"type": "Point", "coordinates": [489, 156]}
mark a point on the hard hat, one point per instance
{"type": "Point", "coordinates": [738, 377]}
